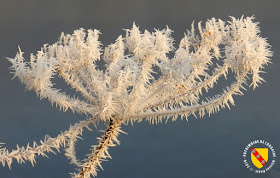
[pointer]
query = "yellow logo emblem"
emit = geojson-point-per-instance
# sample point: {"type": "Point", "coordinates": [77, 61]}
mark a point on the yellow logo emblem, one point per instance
{"type": "Point", "coordinates": [259, 156]}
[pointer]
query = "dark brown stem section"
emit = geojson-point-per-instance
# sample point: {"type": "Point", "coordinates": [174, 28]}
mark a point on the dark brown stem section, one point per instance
{"type": "Point", "coordinates": [100, 152]}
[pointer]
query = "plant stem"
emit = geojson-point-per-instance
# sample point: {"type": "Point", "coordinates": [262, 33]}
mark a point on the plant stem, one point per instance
{"type": "Point", "coordinates": [100, 152]}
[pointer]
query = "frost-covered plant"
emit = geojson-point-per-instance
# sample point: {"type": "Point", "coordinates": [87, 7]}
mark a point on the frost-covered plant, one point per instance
{"type": "Point", "coordinates": [128, 89]}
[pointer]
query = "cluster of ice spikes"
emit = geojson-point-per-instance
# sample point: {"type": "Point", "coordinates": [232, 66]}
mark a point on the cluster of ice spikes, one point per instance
{"type": "Point", "coordinates": [140, 80]}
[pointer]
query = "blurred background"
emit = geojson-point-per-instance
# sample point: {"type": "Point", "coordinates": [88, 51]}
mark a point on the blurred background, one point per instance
{"type": "Point", "coordinates": [207, 147]}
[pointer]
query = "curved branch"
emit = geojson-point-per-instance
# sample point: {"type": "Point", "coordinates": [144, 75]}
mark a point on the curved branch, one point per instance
{"type": "Point", "coordinates": [91, 84]}
{"type": "Point", "coordinates": [28, 153]}
{"type": "Point", "coordinates": [211, 106]}
{"type": "Point", "coordinates": [193, 91]}
{"type": "Point", "coordinates": [76, 85]}
{"type": "Point", "coordinates": [38, 76]}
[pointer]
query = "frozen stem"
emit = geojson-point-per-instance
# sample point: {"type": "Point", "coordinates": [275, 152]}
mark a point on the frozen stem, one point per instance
{"type": "Point", "coordinates": [100, 152]}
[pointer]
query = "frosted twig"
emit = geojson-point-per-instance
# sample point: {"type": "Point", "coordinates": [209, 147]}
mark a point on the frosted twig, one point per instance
{"type": "Point", "coordinates": [100, 152]}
